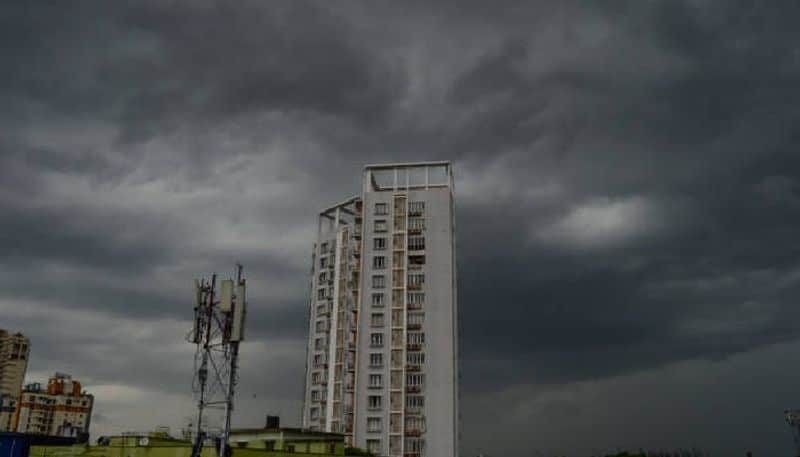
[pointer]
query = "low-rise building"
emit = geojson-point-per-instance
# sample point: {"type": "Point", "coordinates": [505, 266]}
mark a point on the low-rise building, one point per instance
{"type": "Point", "coordinates": [62, 409]}
{"type": "Point", "coordinates": [292, 440]}
{"type": "Point", "coordinates": [262, 442]}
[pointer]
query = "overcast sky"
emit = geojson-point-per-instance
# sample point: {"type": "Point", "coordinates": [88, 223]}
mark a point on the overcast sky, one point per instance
{"type": "Point", "coordinates": [626, 183]}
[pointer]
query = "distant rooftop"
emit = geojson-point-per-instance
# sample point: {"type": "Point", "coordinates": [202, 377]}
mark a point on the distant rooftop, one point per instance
{"type": "Point", "coordinates": [288, 430]}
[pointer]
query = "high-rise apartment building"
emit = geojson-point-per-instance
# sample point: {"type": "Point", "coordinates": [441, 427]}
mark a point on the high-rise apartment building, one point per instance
{"type": "Point", "coordinates": [14, 351]}
{"type": "Point", "coordinates": [62, 409]}
{"type": "Point", "coordinates": [382, 363]}
{"type": "Point", "coordinates": [8, 406]}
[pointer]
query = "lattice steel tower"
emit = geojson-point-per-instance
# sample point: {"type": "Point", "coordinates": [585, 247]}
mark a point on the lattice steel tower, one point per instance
{"type": "Point", "coordinates": [219, 317]}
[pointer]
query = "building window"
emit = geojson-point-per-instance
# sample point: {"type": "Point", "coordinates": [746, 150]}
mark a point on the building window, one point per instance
{"type": "Point", "coordinates": [381, 209]}
{"type": "Point", "coordinates": [415, 423]}
{"type": "Point", "coordinates": [375, 381]}
{"type": "Point", "coordinates": [376, 320]}
{"type": "Point", "coordinates": [378, 282]}
{"type": "Point", "coordinates": [397, 318]}
{"type": "Point", "coordinates": [315, 377]}
{"type": "Point", "coordinates": [314, 395]}
{"type": "Point", "coordinates": [416, 243]}
{"type": "Point", "coordinates": [416, 261]}
{"type": "Point", "coordinates": [374, 424]}
{"type": "Point", "coordinates": [323, 277]}
{"type": "Point", "coordinates": [374, 402]}
{"type": "Point", "coordinates": [377, 300]}
{"type": "Point", "coordinates": [380, 225]}
{"type": "Point", "coordinates": [415, 379]}
{"type": "Point", "coordinates": [322, 326]}
{"type": "Point", "coordinates": [416, 298]}
{"type": "Point", "coordinates": [416, 279]}
{"type": "Point", "coordinates": [379, 262]}
{"type": "Point", "coordinates": [314, 414]}
{"type": "Point", "coordinates": [416, 318]}
{"type": "Point", "coordinates": [376, 340]}
{"type": "Point", "coordinates": [414, 445]}
{"type": "Point", "coordinates": [416, 208]}
{"type": "Point", "coordinates": [321, 294]}
{"type": "Point", "coordinates": [374, 446]}
{"type": "Point", "coordinates": [317, 360]}
{"type": "Point", "coordinates": [319, 344]}
{"type": "Point", "coordinates": [379, 244]}
{"type": "Point", "coordinates": [376, 360]}
{"type": "Point", "coordinates": [416, 223]}
{"type": "Point", "coordinates": [415, 358]}
{"type": "Point", "coordinates": [416, 338]}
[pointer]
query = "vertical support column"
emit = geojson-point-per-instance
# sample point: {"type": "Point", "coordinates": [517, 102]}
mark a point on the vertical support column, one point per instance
{"type": "Point", "coordinates": [399, 274]}
{"type": "Point", "coordinates": [333, 339]}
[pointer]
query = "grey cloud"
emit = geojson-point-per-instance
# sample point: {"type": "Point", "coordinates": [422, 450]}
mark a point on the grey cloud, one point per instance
{"type": "Point", "coordinates": [145, 144]}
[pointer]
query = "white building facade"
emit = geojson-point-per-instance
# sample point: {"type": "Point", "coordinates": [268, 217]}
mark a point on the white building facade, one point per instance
{"type": "Point", "coordinates": [382, 362]}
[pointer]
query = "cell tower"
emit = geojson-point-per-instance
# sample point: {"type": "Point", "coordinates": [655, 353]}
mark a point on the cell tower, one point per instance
{"type": "Point", "coordinates": [793, 419]}
{"type": "Point", "coordinates": [219, 318]}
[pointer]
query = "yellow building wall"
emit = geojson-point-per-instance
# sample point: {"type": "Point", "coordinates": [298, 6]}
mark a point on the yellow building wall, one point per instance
{"type": "Point", "coordinates": [128, 447]}
{"type": "Point", "coordinates": [311, 447]}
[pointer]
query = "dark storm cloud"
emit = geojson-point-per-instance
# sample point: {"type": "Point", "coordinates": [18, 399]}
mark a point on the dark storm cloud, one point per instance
{"type": "Point", "coordinates": [155, 65]}
{"type": "Point", "coordinates": [627, 176]}
{"type": "Point", "coordinates": [696, 132]}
